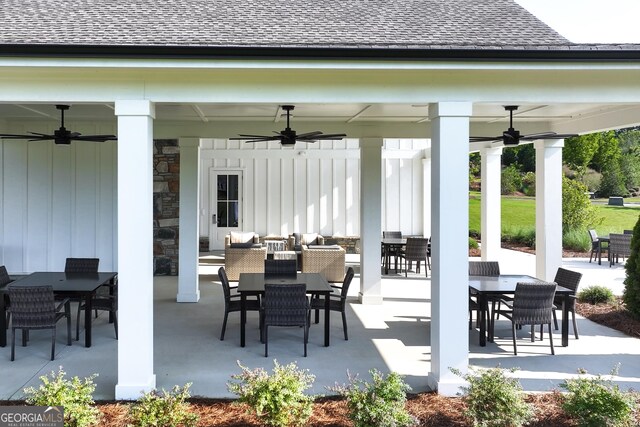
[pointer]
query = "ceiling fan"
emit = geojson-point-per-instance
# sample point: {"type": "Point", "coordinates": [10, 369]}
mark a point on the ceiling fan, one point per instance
{"type": "Point", "coordinates": [288, 136]}
{"type": "Point", "coordinates": [512, 136]}
{"type": "Point", "coordinates": [61, 135]}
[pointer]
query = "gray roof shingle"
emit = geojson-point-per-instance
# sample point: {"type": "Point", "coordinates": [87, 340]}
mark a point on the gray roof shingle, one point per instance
{"type": "Point", "coordinates": [397, 24]}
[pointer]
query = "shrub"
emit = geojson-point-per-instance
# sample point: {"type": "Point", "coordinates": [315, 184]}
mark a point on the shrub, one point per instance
{"type": "Point", "coordinates": [577, 210]}
{"type": "Point", "coordinates": [525, 235]}
{"type": "Point", "coordinates": [511, 180]}
{"type": "Point", "coordinates": [380, 403]}
{"type": "Point", "coordinates": [595, 295]}
{"type": "Point", "coordinates": [613, 182]}
{"type": "Point", "coordinates": [529, 184]}
{"type": "Point", "coordinates": [597, 401]}
{"type": "Point", "coordinates": [576, 239]}
{"type": "Point", "coordinates": [473, 243]}
{"type": "Point", "coordinates": [631, 294]}
{"type": "Point", "coordinates": [279, 399]}
{"type": "Point", "coordinates": [493, 399]}
{"type": "Point", "coordinates": [74, 395]}
{"type": "Point", "coordinates": [163, 409]}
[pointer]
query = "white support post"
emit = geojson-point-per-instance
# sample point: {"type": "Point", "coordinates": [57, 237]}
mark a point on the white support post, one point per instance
{"type": "Point", "coordinates": [370, 220]}
{"type": "Point", "coordinates": [188, 290]}
{"type": "Point", "coordinates": [490, 210]}
{"type": "Point", "coordinates": [426, 195]}
{"type": "Point", "coordinates": [450, 244]}
{"type": "Point", "coordinates": [548, 207]}
{"type": "Point", "coordinates": [135, 248]}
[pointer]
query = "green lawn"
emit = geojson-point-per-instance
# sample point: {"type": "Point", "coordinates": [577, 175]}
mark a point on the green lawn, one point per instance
{"type": "Point", "coordinates": [520, 212]}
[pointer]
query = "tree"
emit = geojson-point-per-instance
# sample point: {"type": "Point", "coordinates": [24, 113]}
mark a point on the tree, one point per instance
{"type": "Point", "coordinates": [579, 151]}
{"type": "Point", "coordinates": [631, 295]}
{"type": "Point", "coordinates": [608, 152]}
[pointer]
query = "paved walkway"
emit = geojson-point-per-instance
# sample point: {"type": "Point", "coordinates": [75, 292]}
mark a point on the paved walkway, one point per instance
{"type": "Point", "coordinates": [392, 336]}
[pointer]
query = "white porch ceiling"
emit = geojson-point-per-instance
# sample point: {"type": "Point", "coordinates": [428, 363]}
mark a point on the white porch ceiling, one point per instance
{"type": "Point", "coordinates": [488, 118]}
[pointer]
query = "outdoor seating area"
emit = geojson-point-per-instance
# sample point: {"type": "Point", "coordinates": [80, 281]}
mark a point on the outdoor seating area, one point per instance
{"type": "Point", "coordinates": [404, 250]}
{"type": "Point", "coordinates": [616, 246]}
{"type": "Point", "coordinates": [392, 336]}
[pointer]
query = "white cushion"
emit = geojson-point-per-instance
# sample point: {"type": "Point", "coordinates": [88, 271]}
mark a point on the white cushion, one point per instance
{"type": "Point", "coordinates": [241, 237]}
{"type": "Point", "coordinates": [308, 239]}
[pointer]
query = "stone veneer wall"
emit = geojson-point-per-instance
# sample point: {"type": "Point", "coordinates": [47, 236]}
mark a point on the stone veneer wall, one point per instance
{"type": "Point", "coordinates": [166, 199]}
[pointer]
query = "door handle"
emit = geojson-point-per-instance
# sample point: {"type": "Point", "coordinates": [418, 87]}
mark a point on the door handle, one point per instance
{"type": "Point", "coordinates": [213, 218]}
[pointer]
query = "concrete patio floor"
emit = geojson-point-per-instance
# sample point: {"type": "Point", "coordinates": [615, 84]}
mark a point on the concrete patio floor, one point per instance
{"type": "Point", "coordinates": [394, 336]}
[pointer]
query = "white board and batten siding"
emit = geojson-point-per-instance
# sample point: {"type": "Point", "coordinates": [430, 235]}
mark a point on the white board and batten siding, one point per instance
{"type": "Point", "coordinates": [57, 202]}
{"type": "Point", "coordinates": [314, 187]}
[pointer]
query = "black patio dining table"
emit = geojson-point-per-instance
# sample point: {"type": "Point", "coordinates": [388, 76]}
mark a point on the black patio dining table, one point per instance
{"type": "Point", "coordinates": [505, 284]}
{"type": "Point", "coordinates": [253, 284]}
{"type": "Point", "coordinates": [74, 285]}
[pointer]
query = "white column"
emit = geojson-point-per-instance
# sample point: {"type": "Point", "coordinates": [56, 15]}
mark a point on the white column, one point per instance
{"type": "Point", "coordinates": [426, 195]}
{"type": "Point", "coordinates": [370, 220]}
{"type": "Point", "coordinates": [135, 248]}
{"type": "Point", "coordinates": [490, 208]}
{"type": "Point", "coordinates": [449, 244]}
{"type": "Point", "coordinates": [188, 290]}
{"type": "Point", "coordinates": [548, 207]}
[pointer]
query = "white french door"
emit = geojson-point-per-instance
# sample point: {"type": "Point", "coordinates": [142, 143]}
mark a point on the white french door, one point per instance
{"type": "Point", "coordinates": [226, 205]}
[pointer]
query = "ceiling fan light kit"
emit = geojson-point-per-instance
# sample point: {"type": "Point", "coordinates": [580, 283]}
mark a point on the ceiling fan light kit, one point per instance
{"type": "Point", "coordinates": [512, 136]}
{"type": "Point", "coordinates": [288, 137]}
{"type": "Point", "coordinates": [61, 136]}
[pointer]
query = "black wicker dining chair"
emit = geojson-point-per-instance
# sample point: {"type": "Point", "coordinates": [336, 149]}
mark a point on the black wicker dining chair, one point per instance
{"type": "Point", "coordinates": [34, 307]}
{"type": "Point", "coordinates": [337, 302]}
{"type": "Point", "coordinates": [392, 251]}
{"type": "Point", "coordinates": [280, 267]}
{"type": "Point", "coordinates": [417, 249]}
{"type": "Point", "coordinates": [5, 280]}
{"type": "Point", "coordinates": [285, 305]}
{"type": "Point", "coordinates": [81, 265]}
{"type": "Point", "coordinates": [532, 305]}
{"type": "Point", "coordinates": [570, 280]}
{"type": "Point", "coordinates": [480, 268]}
{"type": "Point", "coordinates": [232, 302]}
{"type": "Point", "coordinates": [101, 302]}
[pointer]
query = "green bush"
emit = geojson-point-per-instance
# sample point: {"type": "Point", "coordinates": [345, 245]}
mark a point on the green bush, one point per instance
{"type": "Point", "coordinates": [577, 240]}
{"type": "Point", "coordinates": [596, 401]}
{"type": "Point", "coordinates": [493, 399]}
{"type": "Point", "coordinates": [473, 243]}
{"type": "Point", "coordinates": [631, 294]}
{"type": "Point", "coordinates": [525, 235]}
{"type": "Point", "coordinates": [277, 399]}
{"type": "Point", "coordinates": [529, 184]}
{"type": "Point", "coordinates": [163, 409]}
{"type": "Point", "coordinates": [380, 403]}
{"type": "Point", "coordinates": [613, 182]}
{"type": "Point", "coordinates": [75, 395]}
{"type": "Point", "coordinates": [577, 210]}
{"type": "Point", "coordinates": [511, 180]}
{"type": "Point", "coordinates": [596, 295]}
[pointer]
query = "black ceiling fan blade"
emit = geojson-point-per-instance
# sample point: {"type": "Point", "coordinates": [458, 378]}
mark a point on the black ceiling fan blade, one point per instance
{"type": "Point", "coordinates": [257, 138]}
{"type": "Point", "coordinates": [331, 136]}
{"type": "Point", "coordinates": [309, 134]}
{"type": "Point", "coordinates": [93, 138]}
{"type": "Point", "coordinates": [547, 135]}
{"type": "Point", "coordinates": [485, 138]}
{"type": "Point", "coordinates": [242, 136]}
{"type": "Point", "coordinates": [263, 139]}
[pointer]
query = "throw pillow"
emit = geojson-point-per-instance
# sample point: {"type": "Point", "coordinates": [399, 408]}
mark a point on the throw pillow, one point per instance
{"type": "Point", "coordinates": [309, 239]}
{"type": "Point", "coordinates": [237, 237]}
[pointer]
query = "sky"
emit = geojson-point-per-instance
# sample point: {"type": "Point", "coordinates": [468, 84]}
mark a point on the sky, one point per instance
{"type": "Point", "coordinates": [590, 21]}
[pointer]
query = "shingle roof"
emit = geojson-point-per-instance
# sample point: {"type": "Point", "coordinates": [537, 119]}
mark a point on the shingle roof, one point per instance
{"type": "Point", "coordinates": [388, 24]}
